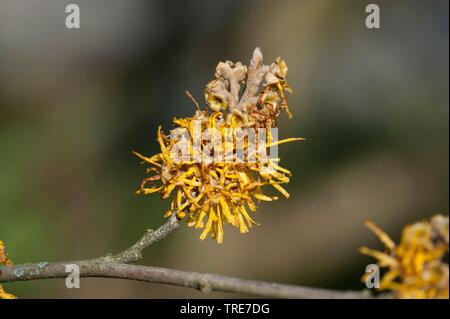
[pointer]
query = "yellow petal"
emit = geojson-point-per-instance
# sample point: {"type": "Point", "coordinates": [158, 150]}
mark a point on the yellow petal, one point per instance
{"type": "Point", "coordinates": [5, 295]}
{"type": "Point", "coordinates": [178, 198]}
{"type": "Point", "coordinates": [181, 215]}
{"type": "Point", "coordinates": [226, 211]}
{"type": "Point", "coordinates": [281, 190]}
{"type": "Point", "coordinates": [164, 152]}
{"type": "Point", "coordinates": [384, 259]}
{"type": "Point", "coordinates": [250, 221]}
{"type": "Point", "coordinates": [265, 197]}
{"type": "Point", "coordinates": [168, 190]}
{"type": "Point", "coordinates": [151, 160]}
{"type": "Point", "coordinates": [145, 191]}
{"type": "Point", "coordinates": [281, 169]}
{"type": "Point", "coordinates": [220, 227]}
{"type": "Point", "coordinates": [287, 140]}
{"type": "Point", "coordinates": [168, 213]}
{"type": "Point", "coordinates": [200, 218]}
{"type": "Point", "coordinates": [384, 238]}
{"type": "Point", "coordinates": [242, 227]}
{"type": "Point", "coordinates": [208, 226]}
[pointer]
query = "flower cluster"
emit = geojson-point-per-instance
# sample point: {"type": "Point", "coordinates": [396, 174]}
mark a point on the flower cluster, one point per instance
{"type": "Point", "coordinates": [4, 260]}
{"type": "Point", "coordinates": [415, 266]}
{"type": "Point", "coordinates": [211, 193]}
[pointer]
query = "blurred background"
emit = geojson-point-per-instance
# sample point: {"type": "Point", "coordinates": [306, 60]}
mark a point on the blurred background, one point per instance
{"type": "Point", "coordinates": [373, 105]}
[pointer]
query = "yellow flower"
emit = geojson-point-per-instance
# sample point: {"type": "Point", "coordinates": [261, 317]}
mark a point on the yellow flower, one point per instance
{"type": "Point", "coordinates": [210, 193]}
{"type": "Point", "coordinates": [415, 266]}
{"type": "Point", "coordinates": [4, 260]}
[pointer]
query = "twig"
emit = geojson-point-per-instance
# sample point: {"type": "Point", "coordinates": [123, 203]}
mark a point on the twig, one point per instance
{"type": "Point", "coordinates": [134, 253]}
{"type": "Point", "coordinates": [116, 266]}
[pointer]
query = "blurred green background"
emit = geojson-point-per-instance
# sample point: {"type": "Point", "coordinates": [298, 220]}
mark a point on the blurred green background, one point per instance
{"type": "Point", "coordinates": [373, 105]}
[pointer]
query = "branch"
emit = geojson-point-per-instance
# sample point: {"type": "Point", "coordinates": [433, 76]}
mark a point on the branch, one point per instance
{"type": "Point", "coordinates": [201, 281]}
{"type": "Point", "coordinates": [116, 266]}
